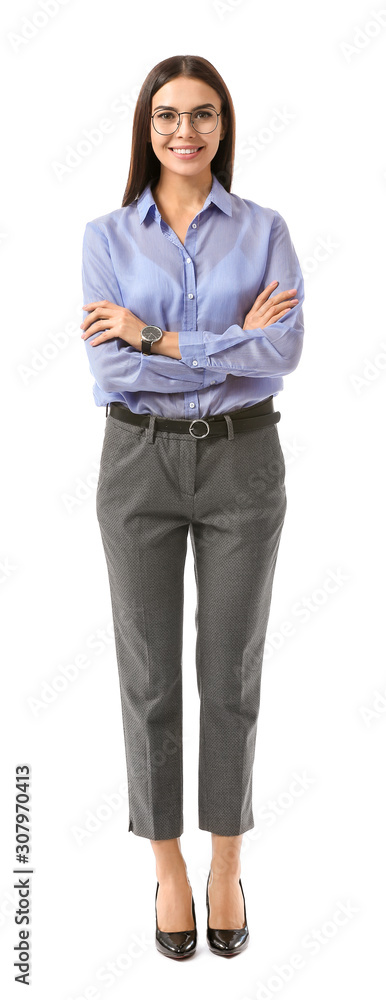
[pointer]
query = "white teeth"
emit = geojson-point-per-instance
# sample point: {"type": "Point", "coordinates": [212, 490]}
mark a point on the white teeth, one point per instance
{"type": "Point", "coordinates": [185, 151]}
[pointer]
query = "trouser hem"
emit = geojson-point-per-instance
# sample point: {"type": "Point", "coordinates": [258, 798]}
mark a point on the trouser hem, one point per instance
{"type": "Point", "coordinates": [228, 831]}
{"type": "Point", "coordinates": [164, 835]}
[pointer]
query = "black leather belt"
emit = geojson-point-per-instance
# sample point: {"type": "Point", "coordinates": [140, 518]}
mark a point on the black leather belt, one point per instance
{"type": "Point", "coordinates": [258, 415]}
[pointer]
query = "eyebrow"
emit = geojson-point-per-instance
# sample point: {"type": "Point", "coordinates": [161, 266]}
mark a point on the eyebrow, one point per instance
{"type": "Point", "coordinates": [167, 107]}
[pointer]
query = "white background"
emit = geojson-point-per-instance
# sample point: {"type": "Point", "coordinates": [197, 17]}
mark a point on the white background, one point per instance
{"type": "Point", "coordinates": [322, 711]}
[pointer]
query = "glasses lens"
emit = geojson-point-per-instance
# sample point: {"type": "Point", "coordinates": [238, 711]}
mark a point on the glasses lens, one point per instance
{"type": "Point", "coordinates": [204, 120]}
{"type": "Point", "coordinates": [165, 121]}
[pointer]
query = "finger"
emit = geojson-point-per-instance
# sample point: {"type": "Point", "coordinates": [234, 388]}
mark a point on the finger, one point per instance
{"type": "Point", "coordinates": [92, 328]}
{"type": "Point", "coordinates": [277, 303]}
{"type": "Point", "coordinates": [282, 313]}
{"type": "Point", "coordinates": [275, 309]}
{"type": "Point", "coordinates": [289, 302]}
{"type": "Point", "coordinates": [269, 314]}
{"type": "Point", "coordinates": [96, 314]}
{"type": "Point", "coordinates": [266, 292]}
{"type": "Point", "coordinates": [106, 335]}
{"type": "Point", "coordinates": [102, 311]}
{"type": "Point", "coordinates": [100, 302]}
{"type": "Point", "coordinates": [273, 319]}
{"type": "Point", "coordinates": [275, 298]}
{"type": "Point", "coordinates": [282, 296]}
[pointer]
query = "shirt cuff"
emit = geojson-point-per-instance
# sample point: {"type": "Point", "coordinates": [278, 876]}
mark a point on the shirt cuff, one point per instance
{"type": "Point", "coordinates": [191, 346]}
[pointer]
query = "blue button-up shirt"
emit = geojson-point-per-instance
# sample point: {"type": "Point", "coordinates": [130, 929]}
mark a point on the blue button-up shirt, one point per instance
{"type": "Point", "coordinates": [203, 289]}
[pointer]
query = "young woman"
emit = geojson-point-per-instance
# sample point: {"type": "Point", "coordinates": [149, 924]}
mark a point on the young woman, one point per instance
{"type": "Point", "coordinates": [188, 337]}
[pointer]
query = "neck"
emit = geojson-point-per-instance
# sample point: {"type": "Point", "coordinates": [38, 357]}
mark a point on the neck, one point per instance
{"type": "Point", "coordinates": [183, 193]}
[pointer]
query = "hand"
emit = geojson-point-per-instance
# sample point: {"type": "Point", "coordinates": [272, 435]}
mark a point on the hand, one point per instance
{"type": "Point", "coordinates": [263, 313]}
{"type": "Point", "coordinates": [114, 321]}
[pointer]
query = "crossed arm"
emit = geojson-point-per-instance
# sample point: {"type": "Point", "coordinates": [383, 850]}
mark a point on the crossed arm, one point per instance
{"type": "Point", "coordinates": [185, 360]}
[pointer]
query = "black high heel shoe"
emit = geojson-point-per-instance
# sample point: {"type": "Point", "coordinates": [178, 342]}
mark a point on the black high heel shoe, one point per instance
{"type": "Point", "coordinates": [227, 942]}
{"type": "Point", "coordinates": [175, 944]}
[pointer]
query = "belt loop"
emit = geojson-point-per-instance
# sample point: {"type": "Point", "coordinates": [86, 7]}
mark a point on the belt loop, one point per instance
{"type": "Point", "coordinates": [150, 429]}
{"type": "Point", "coordinates": [107, 409]}
{"type": "Point", "coordinates": [231, 433]}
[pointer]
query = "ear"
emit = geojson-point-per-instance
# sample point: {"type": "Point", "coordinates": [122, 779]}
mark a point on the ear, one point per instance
{"type": "Point", "coordinates": [224, 129]}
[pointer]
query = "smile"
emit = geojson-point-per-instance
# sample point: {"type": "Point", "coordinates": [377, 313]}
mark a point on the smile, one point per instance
{"type": "Point", "coordinates": [186, 153]}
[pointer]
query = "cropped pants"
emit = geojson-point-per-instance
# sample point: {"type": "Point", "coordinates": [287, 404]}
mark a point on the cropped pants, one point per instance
{"type": "Point", "coordinates": [229, 494]}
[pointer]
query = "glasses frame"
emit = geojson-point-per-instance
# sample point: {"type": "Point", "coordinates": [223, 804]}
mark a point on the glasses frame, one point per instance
{"type": "Point", "coordinates": [191, 113]}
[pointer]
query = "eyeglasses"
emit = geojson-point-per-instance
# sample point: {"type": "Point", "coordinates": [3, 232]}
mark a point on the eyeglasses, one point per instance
{"type": "Point", "coordinates": [202, 120]}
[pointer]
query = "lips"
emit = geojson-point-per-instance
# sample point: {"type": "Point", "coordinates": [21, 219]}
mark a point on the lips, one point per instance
{"type": "Point", "coordinates": [193, 151]}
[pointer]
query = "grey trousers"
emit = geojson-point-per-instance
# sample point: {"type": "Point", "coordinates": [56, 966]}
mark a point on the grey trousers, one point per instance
{"type": "Point", "coordinates": [229, 493]}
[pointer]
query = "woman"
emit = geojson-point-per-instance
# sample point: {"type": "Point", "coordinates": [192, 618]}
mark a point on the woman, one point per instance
{"type": "Point", "coordinates": [188, 340]}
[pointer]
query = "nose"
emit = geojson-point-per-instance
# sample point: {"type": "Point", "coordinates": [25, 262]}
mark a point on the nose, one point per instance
{"type": "Point", "coordinates": [188, 124]}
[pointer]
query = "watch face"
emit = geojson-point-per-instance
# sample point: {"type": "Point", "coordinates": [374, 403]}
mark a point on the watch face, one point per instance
{"type": "Point", "coordinates": [152, 333]}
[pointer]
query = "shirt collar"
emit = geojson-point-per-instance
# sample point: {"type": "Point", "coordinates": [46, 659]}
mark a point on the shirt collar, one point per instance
{"type": "Point", "coordinates": [217, 194]}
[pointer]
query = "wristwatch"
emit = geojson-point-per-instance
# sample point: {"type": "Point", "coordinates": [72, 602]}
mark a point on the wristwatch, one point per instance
{"type": "Point", "coordinates": [149, 335]}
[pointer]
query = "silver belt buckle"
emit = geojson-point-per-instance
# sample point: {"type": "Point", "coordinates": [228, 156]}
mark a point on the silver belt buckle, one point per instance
{"type": "Point", "coordinates": [199, 420]}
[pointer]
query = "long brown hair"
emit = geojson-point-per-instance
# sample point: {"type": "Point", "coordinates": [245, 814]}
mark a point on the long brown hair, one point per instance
{"type": "Point", "coordinates": [144, 164]}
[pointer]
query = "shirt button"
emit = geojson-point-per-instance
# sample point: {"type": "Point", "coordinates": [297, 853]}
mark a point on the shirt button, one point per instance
{"type": "Point", "coordinates": [194, 225]}
{"type": "Point", "coordinates": [192, 404]}
{"type": "Point", "coordinates": [188, 260]}
{"type": "Point", "coordinates": [194, 362]}
{"type": "Point", "coordinates": [190, 296]}
{"type": "Point", "coordinates": [212, 382]}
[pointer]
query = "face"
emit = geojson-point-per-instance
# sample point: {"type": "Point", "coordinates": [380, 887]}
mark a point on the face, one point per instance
{"type": "Point", "coordinates": [185, 94]}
